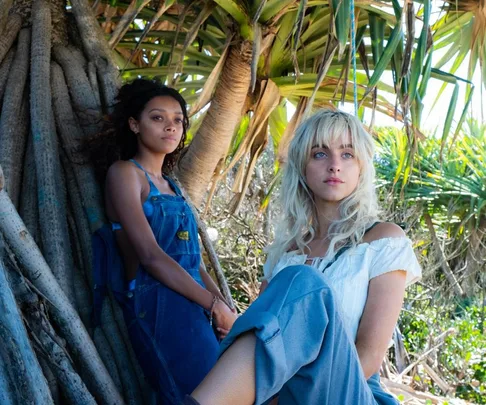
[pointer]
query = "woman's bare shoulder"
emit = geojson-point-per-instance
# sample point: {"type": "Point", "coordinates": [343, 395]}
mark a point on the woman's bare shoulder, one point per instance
{"type": "Point", "coordinates": [384, 230]}
{"type": "Point", "coordinates": [122, 170]}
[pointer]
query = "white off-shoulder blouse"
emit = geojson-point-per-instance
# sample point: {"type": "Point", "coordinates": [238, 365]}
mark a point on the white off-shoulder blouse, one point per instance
{"type": "Point", "coordinates": [350, 274]}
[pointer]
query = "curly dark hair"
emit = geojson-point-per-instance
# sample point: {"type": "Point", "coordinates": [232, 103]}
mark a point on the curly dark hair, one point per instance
{"type": "Point", "coordinates": [117, 141]}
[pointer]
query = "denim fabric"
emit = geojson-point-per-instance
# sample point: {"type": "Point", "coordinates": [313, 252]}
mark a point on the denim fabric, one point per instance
{"type": "Point", "coordinates": [303, 352]}
{"type": "Point", "coordinates": [171, 336]}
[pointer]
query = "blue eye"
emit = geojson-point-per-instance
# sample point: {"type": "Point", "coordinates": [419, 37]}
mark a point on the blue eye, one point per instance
{"type": "Point", "coordinates": [348, 155]}
{"type": "Point", "coordinates": [319, 155]}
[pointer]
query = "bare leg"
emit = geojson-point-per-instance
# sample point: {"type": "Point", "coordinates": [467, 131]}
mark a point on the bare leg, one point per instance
{"type": "Point", "coordinates": [232, 379]}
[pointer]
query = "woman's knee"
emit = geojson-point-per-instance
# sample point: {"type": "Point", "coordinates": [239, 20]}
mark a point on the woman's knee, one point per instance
{"type": "Point", "coordinates": [302, 278]}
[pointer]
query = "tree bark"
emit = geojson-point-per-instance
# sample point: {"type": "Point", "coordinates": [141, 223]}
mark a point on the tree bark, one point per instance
{"type": "Point", "coordinates": [216, 131]}
{"type": "Point", "coordinates": [14, 24]}
{"type": "Point", "coordinates": [51, 381]}
{"type": "Point", "coordinates": [72, 137]}
{"type": "Point", "coordinates": [5, 70]}
{"type": "Point", "coordinates": [29, 210]}
{"type": "Point", "coordinates": [48, 345]}
{"type": "Point", "coordinates": [64, 313]}
{"type": "Point", "coordinates": [14, 121]}
{"type": "Point", "coordinates": [4, 9]}
{"type": "Point", "coordinates": [84, 102]}
{"type": "Point", "coordinates": [107, 356]}
{"type": "Point", "coordinates": [50, 188]}
{"type": "Point", "coordinates": [20, 370]}
{"type": "Point", "coordinates": [97, 50]}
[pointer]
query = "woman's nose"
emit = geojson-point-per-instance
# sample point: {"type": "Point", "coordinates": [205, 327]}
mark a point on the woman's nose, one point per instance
{"type": "Point", "coordinates": [170, 127]}
{"type": "Point", "coordinates": [334, 166]}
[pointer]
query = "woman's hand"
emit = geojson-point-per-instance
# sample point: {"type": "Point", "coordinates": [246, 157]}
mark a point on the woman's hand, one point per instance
{"type": "Point", "coordinates": [224, 318]}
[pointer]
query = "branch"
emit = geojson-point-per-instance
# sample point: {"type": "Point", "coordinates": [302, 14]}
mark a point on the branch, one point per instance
{"type": "Point", "coordinates": [446, 269]}
{"type": "Point", "coordinates": [441, 339]}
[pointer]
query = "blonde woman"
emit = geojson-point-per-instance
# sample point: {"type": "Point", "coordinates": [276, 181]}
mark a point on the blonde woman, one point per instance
{"type": "Point", "coordinates": [334, 283]}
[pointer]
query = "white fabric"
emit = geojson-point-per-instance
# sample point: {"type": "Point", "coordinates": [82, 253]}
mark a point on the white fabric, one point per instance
{"type": "Point", "coordinates": [350, 274]}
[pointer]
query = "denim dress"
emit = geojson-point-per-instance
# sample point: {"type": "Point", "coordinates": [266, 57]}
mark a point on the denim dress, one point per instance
{"type": "Point", "coordinates": [171, 335]}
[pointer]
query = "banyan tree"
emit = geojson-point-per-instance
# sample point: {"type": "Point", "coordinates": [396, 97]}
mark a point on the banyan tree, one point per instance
{"type": "Point", "coordinates": [57, 80]}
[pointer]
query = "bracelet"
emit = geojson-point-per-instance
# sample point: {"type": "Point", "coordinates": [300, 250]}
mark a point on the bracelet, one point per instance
{"type": "Point", "coordinates": [211, 312]}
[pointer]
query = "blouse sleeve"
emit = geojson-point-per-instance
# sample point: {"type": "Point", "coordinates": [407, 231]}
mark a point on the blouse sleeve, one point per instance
{"type": "Point", "coordinates": [390, 254]}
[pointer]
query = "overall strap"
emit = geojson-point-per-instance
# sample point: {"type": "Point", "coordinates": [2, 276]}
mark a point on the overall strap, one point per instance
{"type": "Point", "coordinates": [346, 247]}
{"type": "Point", "coordinates": [174, 186]}
{"type": "Point", "coordinates": [151, 184]}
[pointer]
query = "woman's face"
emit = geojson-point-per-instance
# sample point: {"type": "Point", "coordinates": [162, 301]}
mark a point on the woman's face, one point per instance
{"type": "Point", "coordinates": [160, 126]}
{"type": "Point", "coordinates": [332, 171]}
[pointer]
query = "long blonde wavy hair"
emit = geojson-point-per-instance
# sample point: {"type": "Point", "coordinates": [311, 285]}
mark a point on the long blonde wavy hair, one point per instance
{"type": "Point", "coordinates": [357, 211]}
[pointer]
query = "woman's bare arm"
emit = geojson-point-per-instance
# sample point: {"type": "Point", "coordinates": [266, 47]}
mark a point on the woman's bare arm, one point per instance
{"type": "Point", "coordinates": [209, 282]}
{"type": "Point", "coordinates": [124, 188]}
{"type": "Point", "coordinates": [385, 299]}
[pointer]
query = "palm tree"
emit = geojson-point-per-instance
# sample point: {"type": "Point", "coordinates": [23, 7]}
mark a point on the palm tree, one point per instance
{"type": "Point", "coordinates": [295, 52]}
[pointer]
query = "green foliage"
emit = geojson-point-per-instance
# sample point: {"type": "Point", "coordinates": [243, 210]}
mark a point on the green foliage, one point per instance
{"type": "Point", "coordinates": [445, 181]}
{"type": "Point", "coordinates": [242, 237]}
{"type": "Point", "coordinates": [461, 359]}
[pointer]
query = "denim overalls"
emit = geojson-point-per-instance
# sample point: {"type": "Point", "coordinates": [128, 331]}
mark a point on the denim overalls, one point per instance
{"type": "Point", "coordinates": [171, 336]}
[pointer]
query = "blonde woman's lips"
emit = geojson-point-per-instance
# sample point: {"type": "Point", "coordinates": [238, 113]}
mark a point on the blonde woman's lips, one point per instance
{"type": "Point", "coordinates": [333, 181]}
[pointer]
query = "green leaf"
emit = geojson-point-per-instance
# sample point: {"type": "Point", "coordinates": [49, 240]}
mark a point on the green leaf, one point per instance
{"type": "Point", "coordinates": [240, 15]}
{"type": "Point", "coordinates": [418, 60]}
{"type": "Point", "coordinates": [425, 76]}
{"type": "Point", "coordinates": [273, 7]}
{"type": "Point", "coordinates": [469, 94]}
{"type": "Point", "coordinates": [385, 58]}
{"type": "Point", "coordinates": [450, 114]}
{"type": "Point", "coordinates": [341, 10]}
{"type": "Point", "coordinates": [377, 35]}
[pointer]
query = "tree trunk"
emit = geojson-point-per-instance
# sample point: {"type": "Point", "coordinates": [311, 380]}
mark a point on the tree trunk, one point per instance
{"type": "Point", "coordinates": [69, 86]}
{"type": "Point", "coordinates": [20, 372]}
{"type": "Point", "coordinates": [216, 131]}
{"type": "Point", "coordinates": [9, 34]}
{"type": "Point", "coordinates": [15, 118]}
{"type": "Point", "coordinates": [48, 345]}
{"type": "Point", "coordinates": [4, 70]}
{"type": "Point", "coordinates": [97, 50]}
{"type": "Point", "coordinates": [50, 188]}
{"type": "Point", "coordinates": [67, 319]}
{"type": "Point", "coordinates": [29, 211]}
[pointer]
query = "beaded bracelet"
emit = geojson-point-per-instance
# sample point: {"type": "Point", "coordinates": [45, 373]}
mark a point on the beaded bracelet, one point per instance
{"type": "Point", "coordinates": [215, 300]}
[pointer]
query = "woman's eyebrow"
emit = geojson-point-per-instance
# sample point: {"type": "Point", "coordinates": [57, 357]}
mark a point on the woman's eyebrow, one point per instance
{"type": "Point", "coordinates": [162, 110]}
{"type": "Point", "coordinates": [344, 146]}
